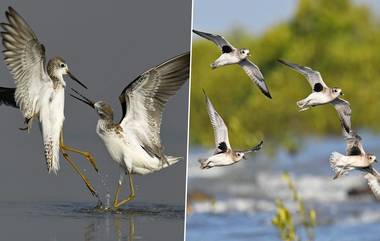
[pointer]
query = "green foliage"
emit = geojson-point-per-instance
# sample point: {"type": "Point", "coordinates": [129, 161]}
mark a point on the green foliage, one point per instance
{"type": "Point", "coordinates": [284, 219]}
{"type": "Point", "coordinates": [338, 38]}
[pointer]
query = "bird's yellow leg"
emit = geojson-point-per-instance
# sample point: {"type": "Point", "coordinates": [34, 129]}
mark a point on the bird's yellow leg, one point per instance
{"type": "Point", "coordinates": [131, 196]}
{"type": "Point", "coordinates": [85, 154]}
{"type": "Point", "coordinates": [77, 170]}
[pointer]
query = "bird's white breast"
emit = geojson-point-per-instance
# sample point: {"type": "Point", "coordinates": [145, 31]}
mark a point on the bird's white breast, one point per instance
{"type": "Point", "coordinates": [127, 151]}
{"type": "Point", "coordinates": [222, 159]}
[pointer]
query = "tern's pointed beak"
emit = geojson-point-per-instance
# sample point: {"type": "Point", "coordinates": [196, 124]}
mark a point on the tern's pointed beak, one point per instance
{"type": "Point", "coordinates": [83, 99]}
{"type": "Point", "coordinates": [74, 78]}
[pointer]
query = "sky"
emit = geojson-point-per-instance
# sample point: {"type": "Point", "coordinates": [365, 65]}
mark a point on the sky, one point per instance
{"type": "Point", "coordinates": [254, 15]}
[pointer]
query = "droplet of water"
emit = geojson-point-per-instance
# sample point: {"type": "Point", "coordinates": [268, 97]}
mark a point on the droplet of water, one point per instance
{"type": "Point", "coordinates": [108, 200]}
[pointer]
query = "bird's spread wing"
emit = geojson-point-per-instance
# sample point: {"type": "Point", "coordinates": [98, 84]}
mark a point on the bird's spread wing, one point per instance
{"type": "Point", "coordinates": [255, 75]}
{"type": "Point", "coordinates": [255, 148]}
{"type": "Point", "coordinates": [354, 146]}
{"type": "Point", "coordinates": [220, 129]}
{"type": "Point", "coordinates": [144, 99]}
{"type": "Point", "coordinates": [7, 96]}
{"type": "Point", "coordinates": [344, 113]}
{"type": "Point", "coordinates": [25, 58]}
{"type": "Point", "coordinates": [374, 184]}
{"type": "Point", "coordinates": [313, 77]}
{"type": "Point", "coordinates": [222, 43]}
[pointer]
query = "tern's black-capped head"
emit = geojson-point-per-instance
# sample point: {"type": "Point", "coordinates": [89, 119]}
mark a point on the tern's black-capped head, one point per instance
{"type": "Point", "coordinates": [244, 53]}
{"type": "Point", "coordinates": [57, 68]}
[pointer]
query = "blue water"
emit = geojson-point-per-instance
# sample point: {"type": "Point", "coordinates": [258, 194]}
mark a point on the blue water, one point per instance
{"type": "Point", "coordinates": [244, 195]}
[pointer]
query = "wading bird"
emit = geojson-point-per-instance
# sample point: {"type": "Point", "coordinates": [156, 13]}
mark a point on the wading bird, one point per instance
{"type": "Point", "coordinates": [40, 90]}
{"type": "Point", "coordinates": [134, 142]}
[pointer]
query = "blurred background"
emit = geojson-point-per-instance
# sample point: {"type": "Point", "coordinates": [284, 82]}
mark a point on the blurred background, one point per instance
{"type": "Point", "coordinates": [341, 39]}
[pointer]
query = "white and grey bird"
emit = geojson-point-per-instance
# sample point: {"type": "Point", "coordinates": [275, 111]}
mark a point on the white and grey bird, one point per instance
{"type": "Point", "coordinates": [40, 88]}
{"type": "Point", "coordinates": [134, 142]}
{"type": "Point", "coordinates": [322, 94]}
{"type": "Point", "coordinates": [223, 154]}
{"type": "Point", "coordinates": [356, 159]}
{"type": "Point", "coordinates": [231, 55]}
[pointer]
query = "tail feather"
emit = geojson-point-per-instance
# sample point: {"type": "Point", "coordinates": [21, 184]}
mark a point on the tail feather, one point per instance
{"type": "Point", "coordinates": [170, 160]}
{"type": "Point", "coordinates": [337, 166]}
{"type": "Point", "coordinates": [51, 155]}
{"type": "Point", "coordinates": [302, 104]}
{"type": "Point", "coordinates": [204, 163]}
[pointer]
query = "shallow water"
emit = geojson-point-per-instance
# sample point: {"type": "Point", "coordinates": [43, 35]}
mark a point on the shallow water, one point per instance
{"type": "Point", "coordinates": [55, 221]}
{"type": "Point", "coordinates": [245, 193]}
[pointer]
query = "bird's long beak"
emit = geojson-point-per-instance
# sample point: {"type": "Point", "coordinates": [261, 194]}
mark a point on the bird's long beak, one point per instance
{"type": "Point", "coordinates": [83, 98]}
{"type": "Point", "coordinates": [244, 158]}
{"type": "Point", "coordinates": [74, 78]}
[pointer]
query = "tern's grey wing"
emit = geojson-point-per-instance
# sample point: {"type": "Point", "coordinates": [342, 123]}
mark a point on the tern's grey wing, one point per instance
{"type": "Point", "coordinates": [256, 76]}
{"type": "Point", "coordinates": [313, 77]}
{"type": "Point", "coordinates": [220, 129]}
{"type": "Point", "coordinates": [221, 42]}
{"type": "Point", "coordinates": [7, 96]}
{"type": "Point", "coordinates": [144, 99]}
{"type": "Point", "coordinates": [374, 184]}
{"type": "Point", "coordinates": [344, 113]}
{"type": "Point", "coordinates": [353, 144]}
{"type": "Point", "coordinates": [25, 58]}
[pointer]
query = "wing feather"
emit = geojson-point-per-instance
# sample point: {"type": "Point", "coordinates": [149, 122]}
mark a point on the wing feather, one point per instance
{"type": "Point", "coordinates": [220, 41]}
{"type": "Point", "coordinates": [313, 77]}
{"type": "Point", "coordinates": [144, 99]}
{"type": "Point", "coordinates": [344, 112]}
{"type": "Point", "coordinates": [7, 96]}
{"type": "Point", "coordinates": [25, 58]}
{"type": "Point", "coordinates": [220, 128]}
{"type": "Point", "coordinates": [256, 76]}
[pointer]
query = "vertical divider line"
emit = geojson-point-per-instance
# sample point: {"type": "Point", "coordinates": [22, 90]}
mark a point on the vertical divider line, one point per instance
{"type": "Point", "coordinates": [188, 120]}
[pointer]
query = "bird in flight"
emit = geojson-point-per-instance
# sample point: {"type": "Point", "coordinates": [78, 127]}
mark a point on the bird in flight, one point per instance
{"type": "Point", "coordinates": [223, 155]}
{"type": "Point", "coordinates": [322, 94]}
{"type": "Point", "coordinates": [231, 55]}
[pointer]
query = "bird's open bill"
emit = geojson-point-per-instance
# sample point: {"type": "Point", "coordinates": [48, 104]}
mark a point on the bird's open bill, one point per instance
{"type": "Point", "coordinates": [84, 99]}
{"type": "Point", "coordinates": [75, 78]}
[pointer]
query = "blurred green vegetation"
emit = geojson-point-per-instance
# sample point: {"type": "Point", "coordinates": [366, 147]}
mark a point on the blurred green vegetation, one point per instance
{"type": "Point", "coordinates": [283, 220]}
{"type": "Point", "coordinates": [338, 38]}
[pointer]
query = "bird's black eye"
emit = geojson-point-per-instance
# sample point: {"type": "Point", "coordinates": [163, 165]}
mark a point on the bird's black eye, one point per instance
{"type": "Point", "coordinates": [62, 65]}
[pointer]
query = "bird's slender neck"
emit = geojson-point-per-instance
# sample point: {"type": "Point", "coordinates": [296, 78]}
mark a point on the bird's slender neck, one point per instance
{"type": "Point", "coordinates": [105, 122]}
{"type": "Point", "coordinates": [57, 80]}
